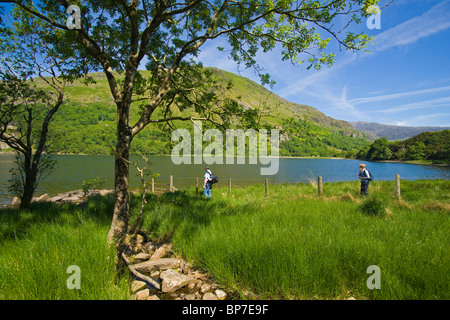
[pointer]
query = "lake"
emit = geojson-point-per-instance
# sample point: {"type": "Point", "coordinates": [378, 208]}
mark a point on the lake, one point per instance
{"type": "Point", "coordinates": [71, 170]}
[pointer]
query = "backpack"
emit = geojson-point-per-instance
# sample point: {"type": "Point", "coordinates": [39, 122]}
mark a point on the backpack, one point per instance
{"type": "Point", "coordinates": [371, 176]}
{"type": "Point", "coordinates": [213, 179]}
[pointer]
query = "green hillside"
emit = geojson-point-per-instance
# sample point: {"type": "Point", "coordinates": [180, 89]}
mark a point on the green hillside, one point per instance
{"type": "Point", "coordinates": [428, 146]}
{"type": "Point", "coordinates": [86, 123]}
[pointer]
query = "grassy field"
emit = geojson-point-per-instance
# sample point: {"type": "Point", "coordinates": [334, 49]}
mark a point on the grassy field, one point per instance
{"type": "Point", "coordinates": [289, 245]}
{"type": "Point", "coordinates": [36, 249]}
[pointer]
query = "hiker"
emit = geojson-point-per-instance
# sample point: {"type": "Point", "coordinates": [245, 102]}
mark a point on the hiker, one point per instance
{"type": "Point", "coordinates": [364, 176]}
{"type": "Point", "coordinates": [207, 185]}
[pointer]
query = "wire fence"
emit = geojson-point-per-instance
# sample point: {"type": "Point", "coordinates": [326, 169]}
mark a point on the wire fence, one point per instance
{"type": "Point", "coordinates": [187, 183]}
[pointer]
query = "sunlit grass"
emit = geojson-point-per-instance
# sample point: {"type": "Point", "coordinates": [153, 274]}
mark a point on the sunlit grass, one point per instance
{"type": "Point", "coordinates": [289, 245]}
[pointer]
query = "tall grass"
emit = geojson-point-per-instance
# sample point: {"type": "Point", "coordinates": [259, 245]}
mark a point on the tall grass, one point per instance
{"type": "Point", "coordinates": [294, 245]}
{"type": "Point", "coordinates": [289, 245]}
{"type": "Point", "coordinates": [38, 247]}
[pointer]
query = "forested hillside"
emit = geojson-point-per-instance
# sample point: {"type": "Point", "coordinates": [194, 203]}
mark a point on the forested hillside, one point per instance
{"type": "Point", "coordinates": [434, 146]}
{"type": "Point", "coordinates": [85, 124]}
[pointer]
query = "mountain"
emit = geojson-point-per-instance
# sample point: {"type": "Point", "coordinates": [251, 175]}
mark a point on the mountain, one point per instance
{"type": "Point", "coordinates": [85, 124]}
{"type": "Point", "coordinates": [375, 131]}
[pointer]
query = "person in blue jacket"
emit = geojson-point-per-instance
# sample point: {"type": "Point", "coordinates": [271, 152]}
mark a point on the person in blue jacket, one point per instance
{"type": "Point", "coordinates": [207, 185]}
{"type": "Point", "coordinates": [364, 176]}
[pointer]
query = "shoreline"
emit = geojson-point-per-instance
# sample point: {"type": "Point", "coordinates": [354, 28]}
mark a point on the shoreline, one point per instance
{"type": "Point", "coordinates": [280, 157]}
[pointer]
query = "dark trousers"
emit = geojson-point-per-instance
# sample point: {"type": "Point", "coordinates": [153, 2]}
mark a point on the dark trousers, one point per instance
{"type": "Point", "coordinates": [364, 188]}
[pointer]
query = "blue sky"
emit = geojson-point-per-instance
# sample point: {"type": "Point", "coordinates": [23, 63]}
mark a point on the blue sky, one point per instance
{"type": "Point", "coordinates": [404, 80]}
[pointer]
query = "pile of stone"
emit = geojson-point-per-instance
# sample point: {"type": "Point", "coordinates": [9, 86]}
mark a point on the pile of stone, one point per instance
{"type": "Point", "coordinates": [177, 280]}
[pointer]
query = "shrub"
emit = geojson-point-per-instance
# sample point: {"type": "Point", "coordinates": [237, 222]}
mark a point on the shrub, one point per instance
{"type": "Point", "coordinates": [373, 206]}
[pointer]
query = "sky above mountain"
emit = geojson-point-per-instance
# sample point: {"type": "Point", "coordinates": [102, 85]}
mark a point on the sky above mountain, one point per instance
{"type": "Point", "coordinates": [404, 80]}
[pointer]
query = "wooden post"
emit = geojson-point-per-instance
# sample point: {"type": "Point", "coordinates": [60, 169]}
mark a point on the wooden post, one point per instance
{"type": "Point", "coordinates": [171, 184]}
{"type": "Point", "coordinates": [196, 185]}
{"type": "Point", "coordinates": [267, 186]}
{"type": "Point", "coordinates": [320, 186]}
{"type": "Point", "coordinates": [397, 186]}
{"type": "Point", "coordinates": [229, 185]}
{"type": "Point", "coordinates": [153, 185]}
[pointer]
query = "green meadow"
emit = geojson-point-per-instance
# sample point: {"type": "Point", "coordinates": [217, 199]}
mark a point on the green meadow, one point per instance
{"type": "Point", "coordinates": [291, 244]}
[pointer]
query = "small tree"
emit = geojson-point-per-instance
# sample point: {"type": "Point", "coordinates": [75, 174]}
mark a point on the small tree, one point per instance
{"type": "Point", "coordinates": [32, 77]}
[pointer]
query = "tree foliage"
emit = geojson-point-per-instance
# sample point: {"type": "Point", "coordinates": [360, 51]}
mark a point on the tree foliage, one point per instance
{"type": "Point", "coordinates": [424, 146]}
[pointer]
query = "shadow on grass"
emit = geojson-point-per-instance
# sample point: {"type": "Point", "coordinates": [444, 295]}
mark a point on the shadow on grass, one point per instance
{"type": "Point", "coordinates": [181, 212]}
{"type": "Point", "coordinates": [15, 223]}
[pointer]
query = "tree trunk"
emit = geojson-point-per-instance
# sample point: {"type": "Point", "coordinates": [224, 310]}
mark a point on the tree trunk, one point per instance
{"type": "Point", "coordinates": [119, 224]}
{"type": "Point", "coordinates": [28, 184]}
{"type": "Point", "coordinates": [25, 200]}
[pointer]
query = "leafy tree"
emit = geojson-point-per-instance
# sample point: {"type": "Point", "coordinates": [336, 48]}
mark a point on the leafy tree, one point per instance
{"type": "Point", "coordinates": [379, 150]}
{"type": "Point", "coordinates": [26, 109]}
{"type": "Point", "coordinates": [120, 35]}
{"type": "Point", "coordinates": [416, 151]}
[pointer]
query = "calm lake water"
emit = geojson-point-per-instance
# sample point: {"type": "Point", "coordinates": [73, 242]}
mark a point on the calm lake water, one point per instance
{"type": "Point", "coordinates": [72, 170]}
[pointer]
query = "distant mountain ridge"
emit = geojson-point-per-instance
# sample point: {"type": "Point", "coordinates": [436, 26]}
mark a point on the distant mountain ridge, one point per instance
{"type": "Point", "coordinates": [391, 132]}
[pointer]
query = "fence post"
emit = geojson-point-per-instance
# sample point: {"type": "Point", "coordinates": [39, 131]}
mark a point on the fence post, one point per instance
{"type": "Point", "coordinates": [196, 185]}
{"type": "Point", "coordinates": [153, 185]}
{"type": "Point", "coordinates": [171, 184]}
{"type": "Point", "coordinates": [267, 186]}
{"type": "Point", "coordinates": [320, 186]}
{"type": "Point", "coordinates": [229, 185]}
{"type": "Point", "coordinates": [397, 186]}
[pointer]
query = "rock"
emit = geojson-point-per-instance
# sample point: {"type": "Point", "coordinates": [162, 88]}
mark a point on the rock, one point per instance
{"type": "Point", "coordinates": [141, 257]}
{"type": "Point", "coordinates": [142, 295]}
{"type": "Point", "coordinates": [137, 286]}
{"type": "Point", "coordinates": [155, 274]}
{"type": "Point", "coordinates": [153, 297]}
{"type": "Point", "coordinates": [149, 247]}
{"type": "Point", "coordinates": [15, 202]}
{"type": "Point", "coordinates": [43, 198]}
{"type": "Point", "coordinates": [193, 285]}
{"type": "Point", "coordinates": [198, 296]}
{"type": "Point", "coordinates": [221, 295]}
{"type": "Point", "coordinates": [209, 296]}
{"type": "Point", "coordinates": [139, 239]}
{"type": "Point", "coordinates": [105, 192]}
{"type": "Point", "coordinates": [162, 264]}
{"type": "Point", "coordinates": [161, 252]}
{"type": "Point", "coordinates": [172, 280]}
{"type": "Point", "coordinates": [190, 296]}
{"type": "Point", "coordinates": [205, 288]}
{"type": "Point", "coordinates": [70, 196]}
{"type": "Point", "coordinates": [351, 298]}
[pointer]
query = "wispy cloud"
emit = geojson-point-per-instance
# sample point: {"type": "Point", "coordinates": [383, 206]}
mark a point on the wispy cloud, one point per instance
{"type": "Point", "coordinates": [432, 21]}
{"type": "Point", "coordinates": [348, 106]}
{"type": "Point", "coordinates": [399, 95]}
{"type": "Point", "coordinates": [433, 103]}
{"type": "Point", "coordinates": [424, 120]}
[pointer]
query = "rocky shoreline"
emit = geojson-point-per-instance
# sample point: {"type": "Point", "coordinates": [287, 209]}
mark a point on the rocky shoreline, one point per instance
{"type": "Point", "coordinates": [75, 196]}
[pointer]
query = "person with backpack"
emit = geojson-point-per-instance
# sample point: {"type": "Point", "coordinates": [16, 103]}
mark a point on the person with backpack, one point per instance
{"type": "Point", "coordinates": [365, 178]}
{"type": "Point", "coordinates": [207, 183]}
